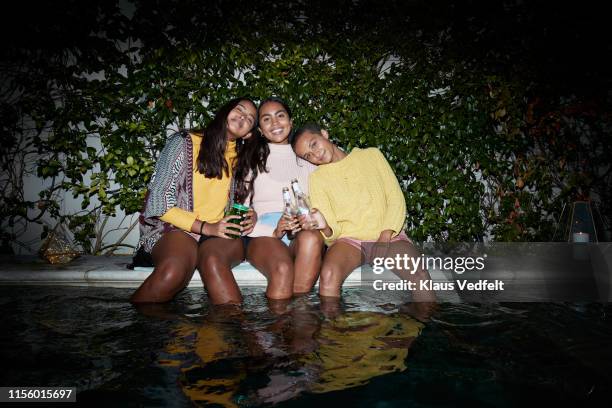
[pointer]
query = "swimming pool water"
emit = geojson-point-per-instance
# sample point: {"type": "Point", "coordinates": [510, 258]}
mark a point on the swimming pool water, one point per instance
{"type": "Point", "coordinates": [365, 351]}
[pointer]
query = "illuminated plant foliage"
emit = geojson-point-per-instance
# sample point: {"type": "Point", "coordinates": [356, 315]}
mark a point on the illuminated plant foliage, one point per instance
{"type": "Point", "coordinates": [479, 143]}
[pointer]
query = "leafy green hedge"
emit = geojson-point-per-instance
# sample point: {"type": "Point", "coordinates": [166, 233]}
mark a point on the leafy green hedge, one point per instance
{"type": "Point", "coordinates": [464, 136]}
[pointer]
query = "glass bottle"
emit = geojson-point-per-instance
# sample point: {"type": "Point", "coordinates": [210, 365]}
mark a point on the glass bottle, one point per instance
{"type": "Point", "coordinates": [239, 210]}
{"type": "Point", "coordinates": [301, 200]}
{"type": "Point", "coordinates": [289, 209]}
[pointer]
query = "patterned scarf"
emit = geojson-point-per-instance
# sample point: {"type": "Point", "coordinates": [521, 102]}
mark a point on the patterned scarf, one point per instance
{"type": "Point", "coordinates": [171, 185]}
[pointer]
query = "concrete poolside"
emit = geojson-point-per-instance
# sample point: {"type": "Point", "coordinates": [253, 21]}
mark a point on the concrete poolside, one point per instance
{"type": "Point", "coordinates": [532, 279]}
{"type": "Point", "coordinates": [112, 272]}
{"type": "Point", "coordinates": [97, 271]}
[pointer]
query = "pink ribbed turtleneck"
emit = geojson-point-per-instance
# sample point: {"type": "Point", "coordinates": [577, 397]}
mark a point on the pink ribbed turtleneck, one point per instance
{"type": "Point", "coordinates": [283, 166]}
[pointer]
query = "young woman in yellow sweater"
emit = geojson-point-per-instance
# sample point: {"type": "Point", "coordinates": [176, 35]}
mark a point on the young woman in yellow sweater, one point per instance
{"type": "Point", "coordinates": [360, 208]}
{"type": "Point", "coordinates": [182, 226]}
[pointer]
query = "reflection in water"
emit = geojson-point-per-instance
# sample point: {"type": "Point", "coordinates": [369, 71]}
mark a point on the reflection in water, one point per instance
{"type": "Point", "coordinates": [357, 346]}
{"type": "Point", "coordinates": [469, 354]}
{"type": "Point", "coordinates": [268, 355]}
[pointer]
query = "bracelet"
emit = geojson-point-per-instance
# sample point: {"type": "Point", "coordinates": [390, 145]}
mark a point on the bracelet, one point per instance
{"type": "Point", "coordinates": [202, 226]}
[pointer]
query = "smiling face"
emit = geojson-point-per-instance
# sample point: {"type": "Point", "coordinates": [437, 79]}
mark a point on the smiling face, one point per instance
{"type": "Point", "coordinates": [275, 123]}
{"type": "Point", "coordinates": [241, 120]}
{"type": "Point", "coordinates": [315, 147]}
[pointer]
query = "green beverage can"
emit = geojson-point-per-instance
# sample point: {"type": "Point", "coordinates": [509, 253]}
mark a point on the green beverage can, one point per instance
{"type": "Point", "coordinates": [240, 210]}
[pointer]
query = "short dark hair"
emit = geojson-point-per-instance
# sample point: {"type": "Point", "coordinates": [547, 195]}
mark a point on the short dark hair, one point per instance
{"type": "Point", "coordinates": [308, 127]}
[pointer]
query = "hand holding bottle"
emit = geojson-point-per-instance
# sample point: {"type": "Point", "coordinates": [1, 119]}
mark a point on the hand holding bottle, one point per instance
{"type": "Point", "coordinates": [248, 222]}
{"type": "Point", "coordinates": [225, 228]}
{"type": "Point", "coordinates": [288, 222]}
{"type": "Point", "coordinates": [287, 225]}
{"type": "Point", "coordinates": [313, 220]}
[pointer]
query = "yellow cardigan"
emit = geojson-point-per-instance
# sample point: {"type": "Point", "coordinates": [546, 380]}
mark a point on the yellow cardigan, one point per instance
{"type": "Point", "coordinates": [210, 195]}
{"type": "Point", "coordinates": [359, 196]}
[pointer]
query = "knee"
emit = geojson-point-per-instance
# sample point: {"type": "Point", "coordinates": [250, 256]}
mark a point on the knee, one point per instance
{"type": "Point", "coordinates": [330, 278]}
{"type": "Point", "coordinates": [310, 239]}
{"type": "Point", "coordinates": [280, 285]}
{"type": "Point", "coordinates": [212, 263]}
{"type": "Point", "coordinates": [168, 278]}
{"type": "Point", "coordinates": [282, 271]}
{"type": "Point", "coordinates": [171, 274]}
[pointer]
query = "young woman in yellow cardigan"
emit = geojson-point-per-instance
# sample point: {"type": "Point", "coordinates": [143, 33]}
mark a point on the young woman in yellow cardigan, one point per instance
{"type": "Point", "coordinates": [359, 208]}
{"type": "Point", "coordinates": [182, 225]}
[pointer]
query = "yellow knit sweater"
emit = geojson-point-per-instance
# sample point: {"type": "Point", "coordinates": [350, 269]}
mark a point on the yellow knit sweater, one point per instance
{"type": "Point", "coordinates": [359, 196]}
{"type": "Point", "coordinates": [210, 195]}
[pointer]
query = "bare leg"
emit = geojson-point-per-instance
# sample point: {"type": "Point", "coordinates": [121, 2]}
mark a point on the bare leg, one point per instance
{"type": "Point", "coordinates": [278, 307]}
{"type": "Point", "coordinates": [273, 259]}
{"type": "Point", "coordinates": [306, 249]}
{"type": "Point", "coordinates": [305, 324]}
{"type": "Point", "coordinates": [402, 248]}
{"type": "Point", "coordinates": [339, 261]}
{"type": "Point", "coordinates": [216, 257]}
{"type": "Point", "coordinates": [175, 257]}
{"type": "Point", "coordinates": [330, 307]}
{"type": "Point", "coordinates": [423, 302]}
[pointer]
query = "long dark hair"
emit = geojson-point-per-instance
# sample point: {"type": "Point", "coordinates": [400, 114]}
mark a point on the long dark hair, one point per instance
{"type": "Point", "coordinates": [211, 159]}
{"type": "Point", "coordinates": [253, 157]}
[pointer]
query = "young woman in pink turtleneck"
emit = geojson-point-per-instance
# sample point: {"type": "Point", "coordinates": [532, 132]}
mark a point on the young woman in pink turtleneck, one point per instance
{"type": "Point", "coordinates": [289, 266]}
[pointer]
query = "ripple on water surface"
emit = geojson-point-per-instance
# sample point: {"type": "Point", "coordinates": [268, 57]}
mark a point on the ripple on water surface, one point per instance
{"type": "Point", "coordinates": [363, 350]}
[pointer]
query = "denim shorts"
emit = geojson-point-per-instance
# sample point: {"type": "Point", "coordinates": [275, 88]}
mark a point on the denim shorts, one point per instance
{"type": "Point", "coordinates": [272, 219]}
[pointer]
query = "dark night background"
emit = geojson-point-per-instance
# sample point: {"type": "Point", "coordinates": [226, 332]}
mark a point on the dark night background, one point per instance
{"type": "Point", "coordinates": [566, 46]}
{"type": "Point", "coordinates": [538, 71]}
{"type": "Point", "coordinates": [523, 131]}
